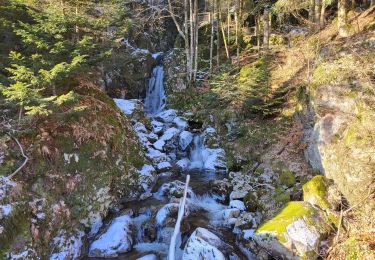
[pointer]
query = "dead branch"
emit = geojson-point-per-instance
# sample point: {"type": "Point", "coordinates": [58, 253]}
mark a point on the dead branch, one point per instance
{"type": "Point", "coordinates": [23, 155]}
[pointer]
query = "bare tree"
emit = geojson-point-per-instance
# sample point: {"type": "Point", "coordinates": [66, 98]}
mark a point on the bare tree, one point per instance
{"type": "Point", "coordinates": [343, 18]}
{"type": "Point", "coordinates": [266, 33]}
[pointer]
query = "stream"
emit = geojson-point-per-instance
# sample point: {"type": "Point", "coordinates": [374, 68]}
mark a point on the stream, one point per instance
{"type": "Point", "coordinates": [142, 229]}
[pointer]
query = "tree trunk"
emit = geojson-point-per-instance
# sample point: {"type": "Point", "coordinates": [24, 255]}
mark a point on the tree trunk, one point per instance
{"type": "Point", "coordinates": [312, 11]}
{"type": "Point", "coordinates": [196, 31]}
{"type": "Point", "coordinates": [318, 7]}
{"type": "Point", "coordinates": [372, 3]}
{"type": "Point", "coordinates": [343, 18]}
{"type": "Point", "coordinates": [186, 38]}
{"type": "Point", "coordinates": [266, 34]}
{"type": "Point", "coordinates": [218, 9]}
{"type": "Point", "coordinates": [323, 14]}
{"type": "Point", "coordinates": [191, 38]}
{"type": "Point", "coordinates": [225, 41]}
{"type": "Point", "coordinates": [257, 30]}
{"type": "Point", "coordinates": [212, 33]}
{"type": "Point", "coordinates": [236, 18]}
{"type": "Point", "coordinates": [228, 21]}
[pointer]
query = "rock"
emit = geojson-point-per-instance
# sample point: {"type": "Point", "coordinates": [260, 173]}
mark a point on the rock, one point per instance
{"type": "Point", "coordinates": [221, 187]}
{"type": "Point", "coordinates": [156, 156]}
{"type": "Point", "coordinates": [152, 137]}
{"type": "Point", "coordinates": [231, 213]}
{"type": "Point", "coordinates": [183, 163]}
{"type": "Point", "coordinates": [180, 123]}
{"type": "Point", "coordinates": [174, 189]}
{"type": "Point", "coordinates": [322, 192]}
{"type": "Point", "coordinates": [237, 204]}
{"type": "Point", "coordinates": [132, 108]}
{"type": "Point", "coordinates": [5, 210]}
{"type": "Point", "coordinates": [166, 116]}
{"type": "Point", "coordinates": [185, 139]}
{"type": "Point", "coordinates": [211, 140]}
{"type": "Point", "coordinates": [147, 176]}
{"type": "Point", "coordinates": [251, 202]}
{"type": "Point", "coordinates": [163, 166]}
{"type": "Point", "coordinates": [69, 247]}
{"type": "Point", "coordinates": [166, 141]}
{"type": "Point", "coordinates": [203, 244]}
{"type": "Point", "coordinates": [165, 212]}
{"type": "Point", "coordinates": [246, 221]}
{"type": "Point", "coordinates": [157, 126]}
{"type": "Point", "coordinates": [215, 160]}
{"type": "Point", "coordinates": [148, 257]}
{"type": "Point", "coordinates": [117, 239]}
{"type": "Point", "coordinates": [289, 236]}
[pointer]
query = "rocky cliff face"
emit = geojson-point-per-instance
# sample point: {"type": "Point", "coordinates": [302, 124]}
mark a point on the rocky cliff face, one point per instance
{"type": "Point", "coordinates": [340, 136]}
{"type": "Point", "coordinates": [81, 161]}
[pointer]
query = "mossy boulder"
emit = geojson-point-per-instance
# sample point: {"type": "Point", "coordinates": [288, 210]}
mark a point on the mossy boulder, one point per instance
{"type": "Point", "coordinates": [322, 192]}
{"type": "Point", "coordinates": [294, 233]}
{"type": "Point", "coordinates": [251, 202]}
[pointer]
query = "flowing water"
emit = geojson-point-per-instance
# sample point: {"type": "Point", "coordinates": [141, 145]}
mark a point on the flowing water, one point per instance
{"type": "Point", "coordinates": [153, 219]}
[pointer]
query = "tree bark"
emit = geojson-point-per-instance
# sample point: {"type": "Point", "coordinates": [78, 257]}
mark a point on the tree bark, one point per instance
{"type": "Point", "coordinates": [266, 34]}
{"type": "Point", "coordinates": [191, 39]}
{"type": "Point", "coordinates": [196, 31]}
{"type": "Point", "coordinates": [318, 7]}
{"type": "Point", "coordinates": [323, 14]}
{"type": "Point", "coordinates": [218, 18]}
{"type": "Point", "coordinates": [343, 18]}
{"type": "Point", "coordinates": [312, 11]}
{"type": "Point", "coordinates": [225, 41]}
{"type": "Point", "coordinates": [257, 30]}
{"type": "Point", "coordinates": [212, 33]}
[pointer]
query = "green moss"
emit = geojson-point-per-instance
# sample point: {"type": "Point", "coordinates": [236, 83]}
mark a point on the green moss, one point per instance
{"type": "Point", "coordinates": [287, 178]}
{"type": "Point", "coordinates": [251, 202]}
{"type": "Point", "coordinates": [315, 191]}
{"type": "Point", "coordinates": [291, 212]}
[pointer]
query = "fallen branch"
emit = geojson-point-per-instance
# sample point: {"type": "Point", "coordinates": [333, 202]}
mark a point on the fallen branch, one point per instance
{"type": "Point", "coordinates": [23, 154]}
{"type": "Point", "coordinates": [181, 212]}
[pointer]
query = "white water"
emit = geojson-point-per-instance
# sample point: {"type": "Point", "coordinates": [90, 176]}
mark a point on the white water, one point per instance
{"type": "Point", "coordinates": [155, 98]}
{"type": "Point", "coordinates": [196, 153]}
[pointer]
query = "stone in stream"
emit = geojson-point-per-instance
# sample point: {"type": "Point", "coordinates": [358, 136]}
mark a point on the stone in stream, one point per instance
{"type": "Point", "coordinates": [185, 140]}
{"type": "Point", "coordinates": [166, 116]}
{"type": "Point", "coordinates": [157, 127]}
{"type": "Point", "coordinates": [117, 239]}
{"type": "Point", "coordinates": [237, 204]}
{"type": "Point", "coordinates": [156, 156]}
{"type": "Point", "coordinates": [166, 141]}
{"type": "Point", "coordinates": [174, 189]}
{"type": "Point", "coordinates": [203, 244]}
{"type": "Point", "coordinates": [148, 257]}
{"type": "Point", "coordinates": [180, 123]}
{"type": "Point", "coordinates": [221, 187]}
{"type": "Point", "coordinates": [147, 176]}
{"type": "Point", "coordinates": [183, 164]}
{"type": "Point", "coordinates": [164, 213]}
{"type": "Point", "coordinates": [163, 166]}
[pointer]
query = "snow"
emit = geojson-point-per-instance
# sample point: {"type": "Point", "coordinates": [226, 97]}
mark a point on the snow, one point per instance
{"type": "Point", "coordinates": [180, 123]}
{"type": "Point", "coordinates": [117, 239]}
{"type": "Point", "coordinates": [6, 185]}
{"type": "Point", "coordinates": [169, 134]}
{"type": "Point", "coordinates": [5, 210]}
{"type": "Point", "coordinates": [167, 116]}
{"type": "Point", "coordinates": [183, 163]}
{"type": "Point", "coordinates": [164, 166]}
{"type": "Point", "coordinates": [156, 55]}
{"type": "Point", "coordinates": [248, 233]}
{"type": "Point", "coordinates": [126, 106]}
{"type": "Point", "coordinates": [307, 239]}
{"type": "Point", "coordinates": [202, 245]}
{"type": "Point", "coordinates": [165, 211]}
{"type": "Point", "coordinates": [238, 204]}
{"type": "Point", "coordinates": [156, 156]}
{"type": "Point", "coordinates": [185, 139]}
{"type": "Point", "coordinates": [147, 170]}
{"type": "Point", "coordinates": [70, 247]}
{"type": "Point", "coordinates": [148, 257]}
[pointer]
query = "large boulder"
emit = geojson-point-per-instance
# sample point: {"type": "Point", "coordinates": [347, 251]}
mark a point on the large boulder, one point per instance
{"type": "Point", "coordinates": [203, 244]}
{"type": "Point", "coordinates": [117, 239]}
{"type": "Point", "coordinates": [296, 232]}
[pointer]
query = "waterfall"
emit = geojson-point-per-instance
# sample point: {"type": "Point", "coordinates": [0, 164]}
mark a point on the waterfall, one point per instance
{"type": "Point", "coordinates": [155, 98]}
{"type": "Point", "coordinates": [196, 153]}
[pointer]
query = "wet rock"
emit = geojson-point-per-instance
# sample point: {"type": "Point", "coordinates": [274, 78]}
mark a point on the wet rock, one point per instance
{"type": "Point", "coordinates": [237, 204]}
{"type": "Point", "coordinates": [149, 232]}
{"type": "Point", "coordinates": [231, 213]}
{"type": "Point", "coordinates": [163, 167]}
{"type": "Point", "coordinates": [167, 211]}
{"type": "Point", "coordinates": [241, 185]}
{"type": "Point", "coordinates": [221, 187]}
{"type": "Point", "coordinates": [203, 244]}
{"type": "Point", "coordinates": [166, 116]}
{"type": "Point", "coordinates": [185, 139]}
{"type": "Point", "coordinates": [246, 220]}
{"type": "Point", "coordinates": [157, 127]}
{"type": "Point", "coordinates": [215, 160]}
{"type": "Point", "coordinates": [148, 257]}
{"type": "Point", "coordinates": [156, 156]}
{"type": "Point", "coordinates": [183, 164]}
{"type": "Point", "coordinates": [180, 123]}
{"type": "Point", "coordinates": [166, 141]}
{"type": "Point", "coordinates": [147, 177]}
{"type": "Point", "coordinates": [174, 189]}
{"type": "Point", "coordinates": [117, 239]}
{"type": "Point", "coordinates": [211, 140]}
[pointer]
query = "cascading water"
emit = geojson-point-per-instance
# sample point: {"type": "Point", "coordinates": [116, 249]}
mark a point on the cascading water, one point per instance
{"type": "Point", "coordinates": [155, 98]}
{"type": "Point", "coordinates": [196, 153]}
